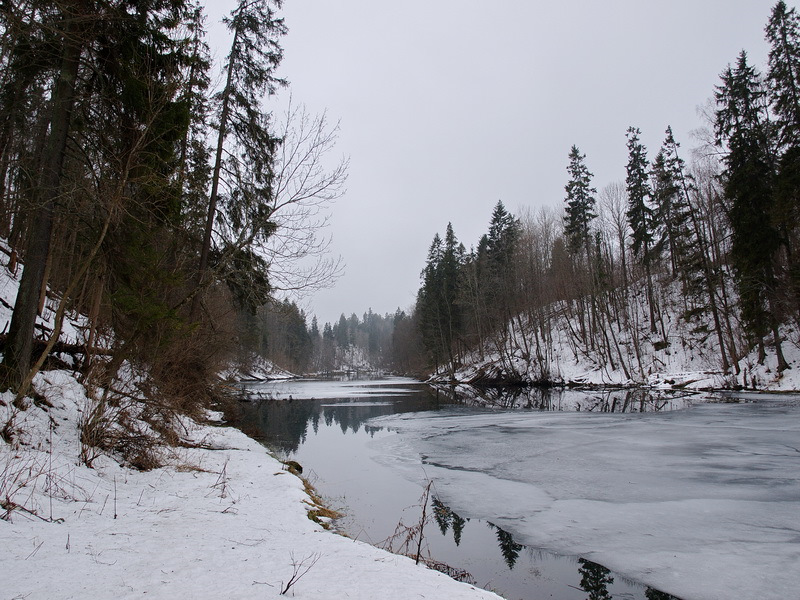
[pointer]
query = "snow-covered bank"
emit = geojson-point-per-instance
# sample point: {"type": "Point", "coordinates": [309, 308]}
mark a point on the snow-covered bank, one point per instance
{"type": "Point", "coordinates": [257, 368]}
{"type": "Point", "coordinates": [682, 354]}
{"type": "Point", "coordinates": [223, 520]}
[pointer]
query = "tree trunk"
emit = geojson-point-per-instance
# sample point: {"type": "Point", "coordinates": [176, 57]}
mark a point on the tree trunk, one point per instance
{"type": "Point", "coordinates": [215, 177]}
{"type": "Point", "coordinates": [17, 359]}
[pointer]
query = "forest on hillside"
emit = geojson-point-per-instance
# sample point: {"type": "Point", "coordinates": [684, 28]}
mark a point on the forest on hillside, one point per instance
{"type": "Point", "coordinates": [163, 209]}
{"type": "Point", "coordinates": [176, 216]}
{"type": "Point", "coordinates": [694, 253]}
{"type": "Point", "coordinates": [709, 238]}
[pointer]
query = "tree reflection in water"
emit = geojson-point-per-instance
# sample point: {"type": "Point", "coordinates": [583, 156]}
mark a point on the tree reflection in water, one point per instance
{"type": "Point", "coordinates": [595, 579]}
{"type": "Point", "coordinates": [286, 425]}
{"type": "Point", "coordinates": [618, 400]}
{"type": "Point", "coordinates": [652, 594]}
{"type": "Point", "coordinates": [508, 547]}
{"type": "Point", "coordinates": [445, 518]}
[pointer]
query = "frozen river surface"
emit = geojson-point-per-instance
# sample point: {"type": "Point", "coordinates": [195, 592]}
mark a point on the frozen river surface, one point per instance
{"type": "Point", "coordinates": [702, 503]}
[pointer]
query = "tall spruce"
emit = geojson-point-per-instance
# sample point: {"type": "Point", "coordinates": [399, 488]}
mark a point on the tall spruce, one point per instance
{"type": "Point", "coordinates": [580, 203]}
{"type": "Point", "coordinates": [243, 127]}
{"type": "Point", "coordinates": [46, 189]}
{"type": "Point", "coordinates": [783, 78]}
{"type": "Point", "coordinates": [578, 216]}
{"type": "Point", "coordinates": [428, 302]}
{"type": "Point", "coordinates": [668, 211]}
{"type": "Point", "coordinates": [640, 214]}
{"type": "Point", "coordinates": [744, 131]}
{"type": "Point", "coordinates": [440, 313]}
{"type": "Point", "coordinates": [783, 75]}
{"type": "Point", "coordinates": [497, 275]}
{"type": "Point", "coordinates": [113, 114]}
{"type": "Point", "coordinates": [690, 247]}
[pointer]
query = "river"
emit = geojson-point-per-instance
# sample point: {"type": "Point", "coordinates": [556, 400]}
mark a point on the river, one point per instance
{"type": "Point", "coordinates": [535, 493]}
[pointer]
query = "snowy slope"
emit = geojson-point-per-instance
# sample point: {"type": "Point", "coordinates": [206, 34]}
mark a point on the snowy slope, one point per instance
{"type": "Point", "coordinates": [222, 520]}
{"type": "Point", "coordinates": [624, 352]}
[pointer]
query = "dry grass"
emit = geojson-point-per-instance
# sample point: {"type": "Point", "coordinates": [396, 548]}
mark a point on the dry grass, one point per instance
{"type": "Point", "coordinates": [318, 512]}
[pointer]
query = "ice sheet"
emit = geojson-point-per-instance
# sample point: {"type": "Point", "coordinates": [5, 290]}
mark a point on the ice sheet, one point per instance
{"type": "Point", "coordinates": [700, 503]}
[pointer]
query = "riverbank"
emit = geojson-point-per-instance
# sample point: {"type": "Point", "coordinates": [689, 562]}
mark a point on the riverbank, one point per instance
{"type": "Point", "coordinates": [222, 519]}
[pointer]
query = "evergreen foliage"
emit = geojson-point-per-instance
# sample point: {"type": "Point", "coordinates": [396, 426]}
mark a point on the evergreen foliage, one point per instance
{"type": "Point", "coordinates": [118, 208]}
{"type": "Point", "coordinates": [640, 214]}
{"type": "Point", "coordinates": [580, 202]}
{"type": "Point", "coordinates": [744, 128]}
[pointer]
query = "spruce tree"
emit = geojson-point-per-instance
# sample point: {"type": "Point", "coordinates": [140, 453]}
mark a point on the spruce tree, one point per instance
{"type": "Point", "coordinates": [742, 127]}
{"type": "Point", "coordinates": [428, 304]}
{"type": "Point", "coordinates": [580, 203]}
{"type": "Point", "coordinates": [783, 75]}
{"type": "Point", "coordinates": [640, 214]}
{"type": "Point", "coordinates": [689, 246]}
{"type": "Point", "coordinates": [244, 129]}
{"type": "Point", "coordinates": [107, 145]}
{"type": "Point", "coordinates": [71, 38]}
{"type": "Point", "coordinates": [438, 302]}
{"type": "Point", "coordinates": [498, 275]}
{"type": "Point", "coordinates": [783, 78]}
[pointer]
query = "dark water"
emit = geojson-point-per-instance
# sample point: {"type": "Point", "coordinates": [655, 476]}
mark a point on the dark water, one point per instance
{"type": "Point", "coordinates": [324, 426]}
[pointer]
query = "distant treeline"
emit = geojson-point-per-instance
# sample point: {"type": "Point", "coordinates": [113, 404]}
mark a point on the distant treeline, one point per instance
{"type": "Point", "coordinates": [374, 342]}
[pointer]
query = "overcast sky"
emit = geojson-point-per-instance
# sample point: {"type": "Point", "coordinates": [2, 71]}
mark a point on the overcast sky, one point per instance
{"type": "Point", "coordinates": [448, 106]}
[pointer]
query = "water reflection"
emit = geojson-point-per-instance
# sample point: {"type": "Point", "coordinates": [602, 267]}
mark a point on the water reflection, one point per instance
{"type": "Point", "coordinates": [446, 518]}
{"type": "Point", "coordinates": [652, 594]}
{"type": "Point", "coordinates": [616, 400]}
{"type": "Point", "coordinates": [508, 547]}
{"type": "Point", "coordinates": [595, 579]}
{"type": "Point", "coordinates": [284, 423]}
{"type": "Point", "coordinates": [322, 419]}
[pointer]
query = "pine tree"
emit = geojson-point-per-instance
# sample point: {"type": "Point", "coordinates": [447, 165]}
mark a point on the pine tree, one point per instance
{"type": "Point", "coordinates": [107, 145]}
{"type": "Point", "coordinates": [783, 78]}
{"type": "Point", "coordinates": [428, 306]}
{"type": "Point", "coordinates": [742, 126]}
{"type": "Point", "coordinates": [19, 348]}
{"type": "Point", "coordinates": [438, 301]}
{"type": "Point", "coordinates": [665, 193]}
{"type": "Point", "coordinates": [578, 216]}
{"type": "Point", "coordinates": [689, 245]}
{"type": "Point", "coordinates": [498, 279]}
{"type": "Point", "coordinates": [580, 203]}
{"type": "Point", "coordinates": [640, 214]}
{"type": "Point", "coordinates": [243, 127]}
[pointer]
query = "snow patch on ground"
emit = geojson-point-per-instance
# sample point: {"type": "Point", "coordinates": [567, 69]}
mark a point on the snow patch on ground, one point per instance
{"type": "Point", "coordinates": [223, 519]}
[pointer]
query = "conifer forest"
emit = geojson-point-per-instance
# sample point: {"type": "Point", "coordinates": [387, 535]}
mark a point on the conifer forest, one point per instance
{"type": "Point", "coordinates": [590, 389]}
{"type": "Point", "coordinates": [144, 187]}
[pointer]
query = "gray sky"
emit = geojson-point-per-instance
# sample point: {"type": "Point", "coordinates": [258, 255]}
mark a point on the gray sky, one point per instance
{"type": "Point", "coordinates": [448, 106]}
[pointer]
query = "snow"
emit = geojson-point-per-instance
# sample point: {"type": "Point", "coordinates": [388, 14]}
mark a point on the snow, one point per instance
{"type": "Point", "coordinates": [223, 519]}
{"type": "Point", "coordinates": [311, 389]}
{"type": "Point", "coordinates": [256, 368]}
{"type": "Point", "coordinates": [683, 354]}
{"type": "Point", "coordinates": [700, 503]}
